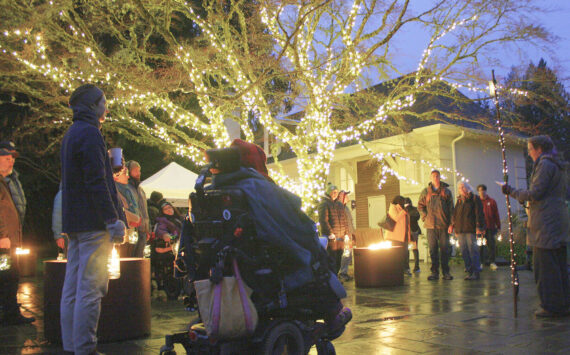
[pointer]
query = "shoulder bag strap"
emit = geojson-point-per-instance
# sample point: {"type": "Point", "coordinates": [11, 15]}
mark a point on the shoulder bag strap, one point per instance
{"type": "Point", "coordinates": [244, 299]}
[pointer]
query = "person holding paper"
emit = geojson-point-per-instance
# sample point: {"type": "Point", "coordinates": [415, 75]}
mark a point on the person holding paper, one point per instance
{"type": "Point", "coordinates": [547, 226]}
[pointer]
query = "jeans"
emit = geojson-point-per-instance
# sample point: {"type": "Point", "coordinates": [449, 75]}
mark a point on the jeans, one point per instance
{"type": "Point", "coordinates": [438, 242]}
{"type": "Point", "coordinates": [490, 247]}
{"type": "Point", "coordinates": [138, 251]}
{"type": "Point", "coordinates": [344, 262]}
{"type": "Point", "coordinates": [86, 282]}
{"type": "Point", "coordinates": [551, 277]}
{"type": "Point", "coordinates": [469, 251]}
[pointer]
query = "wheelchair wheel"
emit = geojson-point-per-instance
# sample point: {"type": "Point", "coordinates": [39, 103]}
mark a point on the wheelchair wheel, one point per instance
{"type": "Point", "coordinates": [284, 339]}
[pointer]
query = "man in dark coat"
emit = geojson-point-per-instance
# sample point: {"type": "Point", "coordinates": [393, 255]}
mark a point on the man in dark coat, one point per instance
{"type": "Point", "coordinates": [92, 217]}
{"type": "Point", "coordinates": [436, 207]}
{"type": "Point", "coordinates": [468, 221]}
{"type": "Point", "coordinates": [144, 228]}
{"type": "Point", "coordinates": [333, 224]}
{"type": "Point", "coordinates": [13, 182]}
{"type": "Point", "coordinates": [10, 239]}
{"type": "Point", "coordinates": [547, 226]}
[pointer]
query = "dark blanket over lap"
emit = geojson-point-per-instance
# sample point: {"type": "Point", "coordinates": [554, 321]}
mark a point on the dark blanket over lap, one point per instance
{"type": "Point", "coordinates": [278, 220]}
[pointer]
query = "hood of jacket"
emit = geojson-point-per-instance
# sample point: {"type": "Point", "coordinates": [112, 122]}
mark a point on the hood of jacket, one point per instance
{"type": "Point", "coordinates": [86, 108]}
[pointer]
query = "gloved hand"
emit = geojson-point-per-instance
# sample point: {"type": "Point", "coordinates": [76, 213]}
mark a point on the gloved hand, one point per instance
{"type": "Point", "coordinates": [332, 236]}
{"type": "Point", "coordinates": [117, 231]}
{"type": "Point", "coordinates": [506, 189]}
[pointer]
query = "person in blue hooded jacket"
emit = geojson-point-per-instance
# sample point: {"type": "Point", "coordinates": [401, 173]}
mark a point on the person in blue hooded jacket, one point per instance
{"type": "Point", "coordinates": [92, 217]}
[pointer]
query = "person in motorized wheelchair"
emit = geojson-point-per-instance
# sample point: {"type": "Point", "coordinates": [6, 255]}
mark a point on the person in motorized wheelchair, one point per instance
{"type": "Point", "coordinates": [243, 216]}
{"type": "Point", "coordinates": [167, 233]}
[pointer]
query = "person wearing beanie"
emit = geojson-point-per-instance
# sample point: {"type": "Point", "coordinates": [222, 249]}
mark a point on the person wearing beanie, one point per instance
{"type": "Point", "coordinates": [143, 229]}
{"type": "Point", "coordinates": [168, 228]}
{"type": "Point", "coordinates": [10, 239]}
{"type": "Point", "coordinates": [92, 217]}
{"type": "Point", "coordinates": [13, 181]}
{"type": "Point", "coordinates": [333, 224]}
{"type": "Point", "coordinates": [347, 252]}
{"type": "Point", "coordinates": [415, 231]}
{"type": "Point", "coordinates": [153, 206]}
{"type": "Point", "coordinates": [252, 156]}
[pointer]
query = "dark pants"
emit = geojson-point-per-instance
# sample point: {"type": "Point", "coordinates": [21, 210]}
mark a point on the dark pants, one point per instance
{"type": "Point", "coordinates": [551, 277]}
{"type": "Point", "coordinates": [405, 258]}
{"type": "Point", "coordinates": [138, 250]}
{"type": "Point", "coordinates": [438, 242]}
{"type": "Point", "coordinates": [9, 292]}
{"type": "Point", "coordinates": [336, 256]}
{"type": "Point", "coordinates": [488, 258]}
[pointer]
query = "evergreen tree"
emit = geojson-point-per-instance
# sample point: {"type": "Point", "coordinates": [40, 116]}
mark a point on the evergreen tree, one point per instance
{"type": "Point", "coordinates": [542, 109]}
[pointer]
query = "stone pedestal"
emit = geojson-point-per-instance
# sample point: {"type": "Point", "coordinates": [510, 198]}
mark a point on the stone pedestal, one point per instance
{"type": "Point", "coordinates": [378, 267]}
{"type": "Point", "coordinates": [125, 310]}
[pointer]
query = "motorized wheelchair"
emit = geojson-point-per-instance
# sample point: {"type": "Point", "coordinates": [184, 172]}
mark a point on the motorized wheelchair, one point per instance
{"type": "Point", "coordinates": [290, 321]}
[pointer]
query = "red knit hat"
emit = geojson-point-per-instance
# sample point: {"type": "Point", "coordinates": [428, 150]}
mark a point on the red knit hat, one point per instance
{"type": "Point", "coordinates": [252, 156]}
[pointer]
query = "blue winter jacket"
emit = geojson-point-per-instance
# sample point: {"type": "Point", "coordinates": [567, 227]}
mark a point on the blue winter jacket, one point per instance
{"type": "Point", "coordinates": [89, 195]}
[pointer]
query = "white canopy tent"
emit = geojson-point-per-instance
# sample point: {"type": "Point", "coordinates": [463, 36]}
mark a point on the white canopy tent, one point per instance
{"type": "Point", "coordinates": [174, 182]}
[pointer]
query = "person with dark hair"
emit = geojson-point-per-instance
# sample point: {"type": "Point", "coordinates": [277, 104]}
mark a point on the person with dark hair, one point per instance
{"type": "Point", "coordinates": [153, 205]}
{"type": "Point", "coordinates": [92, 217]}
{"type": "Point", "coordinates": [547, 226]}
{"type": "Point", "coordinates": [415, 231]}
{"type": "Point", "coordinates": [143, 229]}
{"type": "Point", "coordinates": [468, 221]}
{"type": "Point", "coordinates": [349, 239]}
{"type": "Point", "coordinates": [400, 236]}
{"type": "Point", "coordinates": [333, 224]}
{"type": "Point", "coordinates": [10, 239]}
{"type": "Point", "coordinates": [492, 226]}
{"type": "Point", "coordinates": [436, 208]}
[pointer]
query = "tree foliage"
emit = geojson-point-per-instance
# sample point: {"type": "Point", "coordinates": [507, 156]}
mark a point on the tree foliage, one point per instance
{"type": "Point", "coordinates": [175, 70]}
{"type": "Point", "coordinates": [543, 109]}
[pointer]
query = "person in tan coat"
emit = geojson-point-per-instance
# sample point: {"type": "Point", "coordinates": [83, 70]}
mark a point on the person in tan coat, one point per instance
{"type": "Point", "coordinates": [400, 236]}
{"type": "Point", "coordinates": [10, 239]}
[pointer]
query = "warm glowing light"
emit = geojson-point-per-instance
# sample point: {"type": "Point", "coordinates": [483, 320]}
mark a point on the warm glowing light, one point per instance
{"type": "Point", "coordinates": [20, 251]}
{"type": "Point", "coordinates": [386, 244]}
{"type": "Point", "coordinates": [114, 264]}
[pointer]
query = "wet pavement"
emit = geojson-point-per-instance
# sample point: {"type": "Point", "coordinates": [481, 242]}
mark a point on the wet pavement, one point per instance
{"type": "Point", "coordinates": [441, 317]}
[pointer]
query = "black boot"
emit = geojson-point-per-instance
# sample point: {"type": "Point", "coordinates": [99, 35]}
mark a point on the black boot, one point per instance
{"type": "Point", "coordinates": [416, 260]}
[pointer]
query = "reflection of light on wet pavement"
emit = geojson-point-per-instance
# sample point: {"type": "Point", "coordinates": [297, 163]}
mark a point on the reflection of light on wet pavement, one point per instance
{"type": "Point", "coordinates": [386, 333]}
{"type": "Point", "coordinates": [25, 292]}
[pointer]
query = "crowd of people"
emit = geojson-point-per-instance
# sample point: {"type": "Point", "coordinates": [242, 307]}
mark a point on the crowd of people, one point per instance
{"type": "Point", "coordinates": [101, 202]}
{"type": "Point", "coordinates": [473, 217]}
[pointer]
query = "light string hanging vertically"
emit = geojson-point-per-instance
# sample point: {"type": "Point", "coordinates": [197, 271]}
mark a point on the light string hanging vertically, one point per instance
{"type": "Point", "coordinates": [514, 274]}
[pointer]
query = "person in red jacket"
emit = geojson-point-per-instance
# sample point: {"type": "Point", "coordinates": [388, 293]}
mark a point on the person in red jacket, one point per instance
{"type": "Point", "coordinates": [492, 225]}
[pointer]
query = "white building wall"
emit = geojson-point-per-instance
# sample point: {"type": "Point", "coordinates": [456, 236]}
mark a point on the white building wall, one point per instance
{"type": "Point", "coordinates": [483, 164]}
